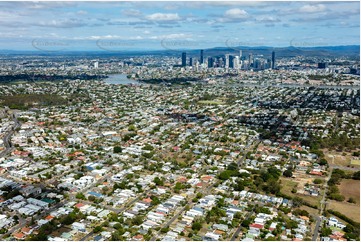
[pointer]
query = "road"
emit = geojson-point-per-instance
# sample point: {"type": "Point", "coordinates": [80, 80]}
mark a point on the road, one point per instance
{"type": "Point", "coordinates": [118, 211]}
{"type": "Point", "coordinates": [7, 137]}
{"type": "Point", "coordinates": [248, 148]}
{"type": "Point", "coordinates": [323, 206]}
{"type": "Point", "coordinates": [23, 222]}
{"type": "Point", "coordinates": [236, 234]}
{"type": "Point", "coordinates": [171, 220]}
{"type": "Point", "coordinates": [189, 203]}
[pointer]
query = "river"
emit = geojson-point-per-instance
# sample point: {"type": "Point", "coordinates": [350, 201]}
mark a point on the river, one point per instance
{"type": "Point", "coordinates": [119, 79]}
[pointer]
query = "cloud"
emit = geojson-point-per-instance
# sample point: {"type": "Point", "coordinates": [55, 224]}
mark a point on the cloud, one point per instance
{"type": "Point", "coordinates": [268, 19]}
{"type": "Point", "coordinates": [131, 13]}
{"type": "Point", "coordinates": [236, 13]}
{"type": "Point", "coordinates": [312, 8]}
{"type": "Point", "coordinates": [108, 37]}
{"type": "Point", "coordinates": [233, 15]}
{"type": "Point", "coordinates": [64, 23]}
{"type": "Point", "coordinates": [163, 17]}
{"type": "Point", "coordinates": [82, 12]}
{"type": "Point", "coordinates": [173, 36]}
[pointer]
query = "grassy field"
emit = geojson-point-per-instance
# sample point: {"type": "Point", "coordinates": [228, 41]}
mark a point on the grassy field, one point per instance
{"type": "Point", "coordinates": [348, 209]}
{"type": "Point", "coordinates": [350, 188]}
{"type": "Point", "coordinates": [287, 186]}
{"type": "Point", "coordinates": [340, 159]}
{"type": "Point", "coordinates": [309, 210]}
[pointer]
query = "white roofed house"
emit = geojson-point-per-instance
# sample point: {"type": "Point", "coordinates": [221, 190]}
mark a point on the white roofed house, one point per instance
{"type": "Point", "coordinates": [84, 181]}
{"type": "Point", "coordinates": [78, 227]}
{"type": "Point", "coordinates": [30, 190]}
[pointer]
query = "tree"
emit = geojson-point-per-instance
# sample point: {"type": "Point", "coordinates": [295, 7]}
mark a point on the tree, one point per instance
{"type": "Point", "coordinates": [80, 195]}
{"type": "Point", "coordinates": [323, 162]}
{"type": "Point", "coordinates": [97, 229]}
{"type": "Point", "coordinates": [158, 181]}
{"type": "Point", "coordinates": [148, 147]}
{"type": "Point", "coordinates": [297, 201]}
{"type": "Point", "coordinates": [196, 226]}
{"type": "Point", "coordinates": [137, 220]}
{"type": "Point", "coordinates": [155, 201]}
{"type": "Point", "coordinates": [326, 231]}
{"type": "Point", "coordinates": [238, 215]}
{"type": "Point", "coordinates": [233, 166]}
{"type": "Point", "coordinates": [117, 149]}
{"type": "Point", "coordinates": [351, 200]}
{"type": "Point", "coordinates": [246, 223]}
{"type": "Point", "coordinates": [356, 175]}
{"type": "Point", "coordinates": [164, 230]}
{"type": "Point", "coordinates": [91, 198]}
{"type": "Point", "coordinates": [288, 173]}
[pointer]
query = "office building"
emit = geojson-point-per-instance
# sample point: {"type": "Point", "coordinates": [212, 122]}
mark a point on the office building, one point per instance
{"type": "Point", "coordinates": [226, 61]}
{"type": "Point", "coordinates": [322, 65]}
{"type": "Point", "coordinates": [184, 59]}
{"type": "Point", "coordinates": [236, 62]}
{"type": "Point", "coordinates": [201, 59]}
{"type": "Point", "coordinates": [250, 60]}
{"type": "Point", "coordinates": [273, 60]}
{"type": "Point", "coordinates": [231, 61]}
{"type": "Point", "coordinates": [190, 61]}
{"type": "Point", "coordinates": [210, 62]}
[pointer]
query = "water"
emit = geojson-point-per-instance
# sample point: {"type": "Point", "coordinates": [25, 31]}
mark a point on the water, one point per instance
{"type": "Point", "coordinates": [120, 79]}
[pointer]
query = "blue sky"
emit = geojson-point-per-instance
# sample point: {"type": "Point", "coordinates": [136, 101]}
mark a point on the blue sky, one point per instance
{"type": "Point", "coordinates": [115, 26]}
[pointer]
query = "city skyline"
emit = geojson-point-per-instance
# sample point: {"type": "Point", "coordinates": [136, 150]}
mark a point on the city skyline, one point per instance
{"type": "Point", "coordinates": [114, 26]}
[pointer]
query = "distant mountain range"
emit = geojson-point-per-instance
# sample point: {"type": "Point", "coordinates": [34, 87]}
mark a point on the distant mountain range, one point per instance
{"type": "Point", "coordinates": [291, 51]}
{"type": "Point", "coordinates": [266, 51]}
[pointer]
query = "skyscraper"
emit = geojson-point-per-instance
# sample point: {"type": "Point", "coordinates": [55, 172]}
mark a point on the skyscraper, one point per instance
{"type": "Point", "coordinates": [190, 61]}
{"type": "Point", "coordinates": [273, 60]}
{"type": "Point", "coordinates": [184, 59]}
{"type": "Point", "coordinates": [236, 62]}
{"type": "Point", "coordinates": [210, 62]}
{"type": "Point", "coordinates": [322, 65]}
{"type": "Point", "coordinates": [250, 60]}
{"type": "Point", "coordinates": [231, 61]}
{"type": "Point", "coordinates": [201, 60]}
{"type": "Point", "coordinates": [227, 61]}
{"type": "Point", "coordinates": [240, 54]}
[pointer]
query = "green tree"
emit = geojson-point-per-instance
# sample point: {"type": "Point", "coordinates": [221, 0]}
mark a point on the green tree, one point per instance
{"type": "Point", "coordinates": [80, 195]}
{"type": "Point", "coordinates": [97, 229]}
{"type": "Point", "coordinates": [288, 173]}
{"type": "Point", "coordinates": [326, 231]}
{"type": "Point", "coordinates": [117, 149]}
{"type": "Point", "coordinates": [196, 226]}
{"type": "Point", "coordinates": [158, 181]}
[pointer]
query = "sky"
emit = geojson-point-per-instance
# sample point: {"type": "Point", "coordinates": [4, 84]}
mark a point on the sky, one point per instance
{"type": "Point", "coordinates": [117, 26]}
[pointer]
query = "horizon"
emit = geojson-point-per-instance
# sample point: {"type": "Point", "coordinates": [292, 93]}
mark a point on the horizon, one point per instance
{"type": "Point", "coordinates": [157, 26]}
{"type": "Point", "coordinates": [235, 48]}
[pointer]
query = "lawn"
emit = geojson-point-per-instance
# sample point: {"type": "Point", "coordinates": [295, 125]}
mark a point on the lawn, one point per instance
{"type": "Point", "coordinates": [311, 211]}
{"type": "Point", "coordinates": [348, 209]}
{"type": "Point", "coordinates": [287, 186]}
{"type": "Point", "coordinates": [340, 159]}
{"type": "Point", "coordinates": [350, 188]}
